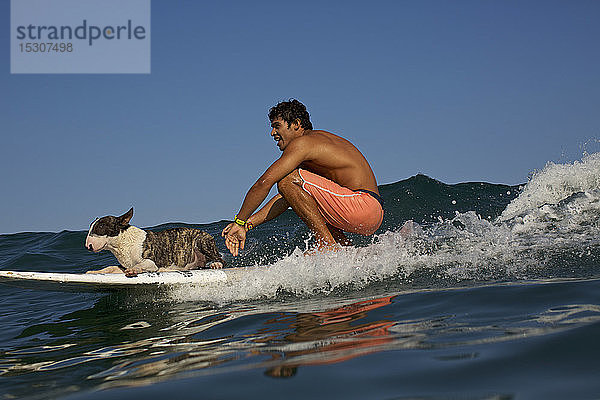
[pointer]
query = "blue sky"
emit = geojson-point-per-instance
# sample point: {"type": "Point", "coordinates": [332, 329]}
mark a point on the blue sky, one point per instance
{"type": "Point", "coordinates": [460, 91]}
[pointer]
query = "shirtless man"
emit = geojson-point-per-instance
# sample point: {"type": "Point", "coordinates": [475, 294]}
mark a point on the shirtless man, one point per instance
{"type": "Point", "coordinates": [323, 177]}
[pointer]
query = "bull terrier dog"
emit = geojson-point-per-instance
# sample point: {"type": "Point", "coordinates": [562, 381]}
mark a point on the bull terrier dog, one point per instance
{"type": "Point", "coordinates": [138, 251]}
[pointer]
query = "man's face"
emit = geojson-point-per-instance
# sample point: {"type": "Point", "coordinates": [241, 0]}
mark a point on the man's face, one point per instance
{"type": "Point", "coordinates": [281, 133]}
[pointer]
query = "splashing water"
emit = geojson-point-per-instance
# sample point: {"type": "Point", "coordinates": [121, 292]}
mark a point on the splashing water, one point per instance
{"type": "Point", "coordinates": [558, 183]}
{"type": "Point", "coordinates": [550, 230]}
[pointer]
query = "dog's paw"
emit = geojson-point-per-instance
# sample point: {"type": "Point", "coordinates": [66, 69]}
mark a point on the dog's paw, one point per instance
{"type": "Point", "coordinates": [215, 265]}
{"type": "Point", "coordinates": [131, 272]}
{"type": "Point", "coordinates": [107, 270]}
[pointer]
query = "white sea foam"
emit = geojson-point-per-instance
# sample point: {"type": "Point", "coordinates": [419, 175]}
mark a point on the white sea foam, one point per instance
{"type": "Point", "coordinates": [442, 252]}
{"type": "Point", "coordinates": [554, 183]}
{"type": "Point", "coordinates": [558, 210]}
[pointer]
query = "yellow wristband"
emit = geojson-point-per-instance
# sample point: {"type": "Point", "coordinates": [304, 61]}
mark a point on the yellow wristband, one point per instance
{"type": "Point", "coordinates": [245, 224]}
{"type": "Point", "coordinates": [238, 221]}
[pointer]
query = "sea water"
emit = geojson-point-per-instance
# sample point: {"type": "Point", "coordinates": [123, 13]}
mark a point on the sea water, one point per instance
{"type": "Point", "coordinates": [488, 291]}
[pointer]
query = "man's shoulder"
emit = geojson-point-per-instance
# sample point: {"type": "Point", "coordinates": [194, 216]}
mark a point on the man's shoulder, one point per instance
{"type": "Point", "coordinates": [318, 136]}
{"type": "Point", "coordinates": [317, 133]}
{"type": "Point", "coordinates": [310, 140]}
{"type": "Point", "coordinates": [304, 140]}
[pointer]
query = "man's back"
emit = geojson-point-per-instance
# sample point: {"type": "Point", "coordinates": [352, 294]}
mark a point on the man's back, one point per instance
{"type": "Point", "coordinates": [337, 159]}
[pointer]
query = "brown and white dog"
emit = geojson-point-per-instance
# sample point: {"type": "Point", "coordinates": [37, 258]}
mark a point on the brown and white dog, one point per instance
{"type": "Point", "coordinates": [137, 250]}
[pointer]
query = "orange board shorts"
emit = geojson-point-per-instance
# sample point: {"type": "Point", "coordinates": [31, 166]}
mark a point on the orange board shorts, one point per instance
{"type": "Point", "coordinates": [348, 210]}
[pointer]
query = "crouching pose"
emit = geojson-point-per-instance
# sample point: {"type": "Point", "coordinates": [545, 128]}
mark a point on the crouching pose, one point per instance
{"type": "Point", "coordinates": [323, 177]}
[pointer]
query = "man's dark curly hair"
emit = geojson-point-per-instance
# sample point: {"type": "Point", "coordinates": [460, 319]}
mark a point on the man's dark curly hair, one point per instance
{"type": "Point", "coordinates": [290, 111]}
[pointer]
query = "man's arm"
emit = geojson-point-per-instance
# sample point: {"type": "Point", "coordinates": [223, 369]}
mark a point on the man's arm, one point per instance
{"type": "Point", "coordinates": [273, 209]}
{"type": "Point", "coordinates": [292, 157]}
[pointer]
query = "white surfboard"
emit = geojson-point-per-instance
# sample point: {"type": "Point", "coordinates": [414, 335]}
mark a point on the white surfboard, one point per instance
{"type": "Point", "coordinates": [65, 282]}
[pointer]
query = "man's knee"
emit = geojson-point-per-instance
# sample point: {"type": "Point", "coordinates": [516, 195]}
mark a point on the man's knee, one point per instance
{"type": "Point", "coordinates": [289, 181]}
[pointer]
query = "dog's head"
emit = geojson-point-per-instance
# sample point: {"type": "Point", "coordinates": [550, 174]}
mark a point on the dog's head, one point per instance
{"type": "Point", "coordinates": [102, 229]}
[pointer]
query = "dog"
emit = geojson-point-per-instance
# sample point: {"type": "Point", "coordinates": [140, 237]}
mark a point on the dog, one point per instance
{"type": "Point", "coordinates": [138, 251]}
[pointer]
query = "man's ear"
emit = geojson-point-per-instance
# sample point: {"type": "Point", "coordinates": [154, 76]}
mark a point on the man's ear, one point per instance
{"type": "Point", "coordinates": [125, 218]}
{"type": "Point", "coordinates": [296, 124]}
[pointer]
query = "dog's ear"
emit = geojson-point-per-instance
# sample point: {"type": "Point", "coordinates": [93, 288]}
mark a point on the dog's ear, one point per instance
{"type": "Point", "coordinates": [125, 218]}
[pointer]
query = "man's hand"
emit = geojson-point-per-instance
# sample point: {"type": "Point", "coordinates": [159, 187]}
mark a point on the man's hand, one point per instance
{"type": "Point", "coordinates": [235, 237]}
